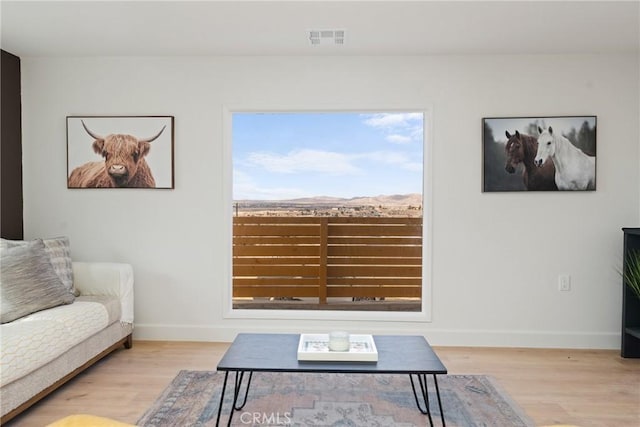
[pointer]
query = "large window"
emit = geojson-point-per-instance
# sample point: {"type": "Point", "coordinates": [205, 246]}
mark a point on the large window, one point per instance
{"type": "Point", "coordinates": [328, 210]}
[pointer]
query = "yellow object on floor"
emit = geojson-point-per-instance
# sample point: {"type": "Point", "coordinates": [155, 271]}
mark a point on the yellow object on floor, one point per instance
{"type": "Point", "coordinates": [82, 420]}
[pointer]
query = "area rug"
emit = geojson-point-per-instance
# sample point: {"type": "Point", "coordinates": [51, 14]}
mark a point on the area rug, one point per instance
{"type": "Point", "coordinates": [353, 400]}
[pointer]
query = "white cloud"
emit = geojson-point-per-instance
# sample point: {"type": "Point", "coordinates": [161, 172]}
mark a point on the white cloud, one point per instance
{"type": "Point", "coordinates": [387, 157]}
{"type": "Point", "coordinates": [413, 166]}
{"type": "Point", "coordinates": [281, 193]}
{"type": "Point", "coordinates": [417, 132]}
{"type": "Point", "coordinates": [323, 162]}
{"type": "Point", "coordinates": [245, 188]}
{"type": "Point", "coordinates": [393, 158]}
{"type": "Point", "coordinates": [304, 161]}
{"type": "Point", "coordinates": [392, 120]}
{"type": "Point", "coordinates": [398, 139]}
{"type": "Point", "coordinates": [401, 128]}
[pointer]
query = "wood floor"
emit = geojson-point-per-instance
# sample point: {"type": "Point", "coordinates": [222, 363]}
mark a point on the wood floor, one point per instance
{"type": "Point", "coordinates": [579, 387]}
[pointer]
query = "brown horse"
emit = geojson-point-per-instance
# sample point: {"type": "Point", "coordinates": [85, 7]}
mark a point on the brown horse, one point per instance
{"type": "Point", "coordinates": [522, 148]}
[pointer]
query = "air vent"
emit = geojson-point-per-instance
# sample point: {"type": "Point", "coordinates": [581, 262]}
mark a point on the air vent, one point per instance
{"type": "Point", "coordinates": [326, 37]}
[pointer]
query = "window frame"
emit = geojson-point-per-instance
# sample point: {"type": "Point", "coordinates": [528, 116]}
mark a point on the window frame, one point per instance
{"type": "Point", "coordinates": [424, 315]}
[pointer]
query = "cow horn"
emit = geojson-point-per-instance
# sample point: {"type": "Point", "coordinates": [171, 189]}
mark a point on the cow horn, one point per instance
{"type": "Point", "coordinates": [94, 135]}
{"type": "Point", "coordinates": [153, 137]}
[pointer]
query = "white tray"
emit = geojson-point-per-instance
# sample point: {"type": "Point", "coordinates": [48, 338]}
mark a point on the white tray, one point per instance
{"type": "Point", "coordinates": [316, 347]}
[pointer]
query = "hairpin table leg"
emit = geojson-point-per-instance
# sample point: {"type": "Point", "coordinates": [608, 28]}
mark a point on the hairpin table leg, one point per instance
{"type": "Point", "coordinates": [237, 390]}
{"type": "Point", "coordinates": [435, 380]}
{"type": "Point", "coordinates": [236, 394]}
{"type": "Point", "coordinates": [423, 399]}
{"type": "Point", "coordinates": [224, 387]}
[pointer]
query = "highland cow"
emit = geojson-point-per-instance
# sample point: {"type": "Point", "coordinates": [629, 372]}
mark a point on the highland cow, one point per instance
{"type": "Point", "coordinates": [124, 164]}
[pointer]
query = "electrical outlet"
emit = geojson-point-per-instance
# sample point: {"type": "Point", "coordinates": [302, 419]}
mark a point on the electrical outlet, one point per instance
{"type": "Point", "coordinates": [564, 282]}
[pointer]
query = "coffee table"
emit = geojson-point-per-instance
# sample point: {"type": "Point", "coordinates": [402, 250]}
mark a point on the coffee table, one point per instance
{"type": "Point", "coordinates": [397, 354]}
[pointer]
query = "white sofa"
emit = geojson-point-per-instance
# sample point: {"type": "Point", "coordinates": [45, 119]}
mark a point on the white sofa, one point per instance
{"type": "Point", "coordinates": [41, 351]}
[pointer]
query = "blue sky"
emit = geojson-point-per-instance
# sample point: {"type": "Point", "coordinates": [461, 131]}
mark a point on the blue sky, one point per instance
{"type": "Point", "coordinates": [279, 156]}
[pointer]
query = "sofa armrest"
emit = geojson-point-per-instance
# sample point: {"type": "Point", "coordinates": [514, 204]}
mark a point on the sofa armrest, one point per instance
{"type": "Point", "coordinates": [106, 278]}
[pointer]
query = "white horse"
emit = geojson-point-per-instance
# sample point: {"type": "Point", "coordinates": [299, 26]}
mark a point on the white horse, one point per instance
{"type": "Point", "coordinates": [574, 169]}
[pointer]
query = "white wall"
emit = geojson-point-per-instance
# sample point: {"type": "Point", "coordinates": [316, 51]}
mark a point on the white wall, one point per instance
{"type": "Point", "coordinates": [496, 257]}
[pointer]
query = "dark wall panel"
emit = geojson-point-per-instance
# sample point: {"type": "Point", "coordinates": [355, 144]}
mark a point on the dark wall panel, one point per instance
{"type": "Point", "coordinates": [11, 223]}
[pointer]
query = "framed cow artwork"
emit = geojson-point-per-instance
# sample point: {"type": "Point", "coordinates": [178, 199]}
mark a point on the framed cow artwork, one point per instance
{"type": "Point", "coordinates": [555, 153]}
{"type": "Point", "coordinates": [120, 152]}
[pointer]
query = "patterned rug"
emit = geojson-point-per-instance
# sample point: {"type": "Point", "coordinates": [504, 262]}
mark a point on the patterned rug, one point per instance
{"type": "Point", "coordinates": [338, 400]}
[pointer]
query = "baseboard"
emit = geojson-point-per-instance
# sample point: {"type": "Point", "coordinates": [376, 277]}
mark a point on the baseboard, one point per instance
{"type": "Point", "coordinates": [437, 337]}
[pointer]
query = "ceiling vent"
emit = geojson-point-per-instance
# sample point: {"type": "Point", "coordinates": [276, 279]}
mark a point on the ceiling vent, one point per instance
{"type": "Point", "coordinates": [326, 37]}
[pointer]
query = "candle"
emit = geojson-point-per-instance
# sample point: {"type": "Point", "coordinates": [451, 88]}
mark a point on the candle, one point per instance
{"type": "Point", "coordinates": [339, 341]}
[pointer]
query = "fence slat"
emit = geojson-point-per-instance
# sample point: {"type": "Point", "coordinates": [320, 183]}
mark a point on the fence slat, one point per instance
{"type": "Point", "coordinates": [275, 240]}
{"type": "Point", "coordinates": [271, 260]}
{"type": "Point", "coordinates": [287, 251]}
{"type": "Point", "coordinates": [277, 230]}
{"type": "Point", "coordinates": [364, 292]}
{"type": "Point", "coordinates": [412, 261]}
{"type": "Point", "coordinates": [375, 240]}
{"type": "Point", "coordinates": [274, 291]}
{"type": "Point", "coordinates": [375, 251]}
{"type": "Point", "coordinates": [241, 220]}
{"type": "Point", "coordinates": [375, 230]}
{"type": "Point", "coordinates": [373, 281]}
{"type": "Point", "coordinates": [374, 220]}
{"type": "Point", "coordinates": [305, 282]}
{"type": "Point", "coordinates": [276, 270]}
{"type": "Point", "coordinates": [373, 271]}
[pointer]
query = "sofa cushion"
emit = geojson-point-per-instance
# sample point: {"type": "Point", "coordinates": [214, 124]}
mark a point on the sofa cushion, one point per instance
{"type": "Point", "coordinates": [59, 252]}
{"type": "Point", "coordinates": [110, 303]}
{"type": "Point", "coordinates": [58, 249]}
{"type": "Point", "coordinates": [28, 282]}
{"type": "Point", "coordinates": [34, 340]}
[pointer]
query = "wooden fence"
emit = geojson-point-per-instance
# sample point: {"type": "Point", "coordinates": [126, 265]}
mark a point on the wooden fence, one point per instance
{"type": "Point", "coordinates": [327, 257]}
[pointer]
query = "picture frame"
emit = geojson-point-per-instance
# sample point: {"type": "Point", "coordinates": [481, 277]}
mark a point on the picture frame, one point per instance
{"type": "Point", "coordinates": [514, 161]}
{"type": "Point", "coordinates": [120, 152]}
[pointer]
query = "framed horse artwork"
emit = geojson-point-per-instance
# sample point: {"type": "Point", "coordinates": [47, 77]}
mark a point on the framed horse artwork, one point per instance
{"type": "Point", "coordinates": [556, 153]}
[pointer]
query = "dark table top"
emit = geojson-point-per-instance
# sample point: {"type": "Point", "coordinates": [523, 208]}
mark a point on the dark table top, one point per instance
{"type": "Point", "coordinates": [397, 354]}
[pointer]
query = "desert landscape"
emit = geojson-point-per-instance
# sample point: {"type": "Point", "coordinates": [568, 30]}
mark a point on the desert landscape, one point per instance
{"type": "Point", "coordinates": [398, 205]}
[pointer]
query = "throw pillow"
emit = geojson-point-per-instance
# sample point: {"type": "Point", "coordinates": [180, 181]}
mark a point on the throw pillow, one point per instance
{"type": "Point", "coordinates": [59, 252]}
{"type": "Point", "coordinates": [28, 282]}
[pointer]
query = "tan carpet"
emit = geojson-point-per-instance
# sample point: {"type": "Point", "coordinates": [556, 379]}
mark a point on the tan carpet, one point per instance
{"type": "Point", "coordinates": [283, 399]}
